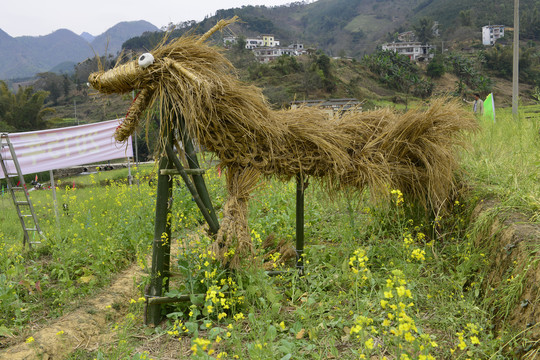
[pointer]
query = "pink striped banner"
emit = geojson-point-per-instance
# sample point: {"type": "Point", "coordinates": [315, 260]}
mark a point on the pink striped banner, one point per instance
{"type": "Point", "coordinates": [45, 150]}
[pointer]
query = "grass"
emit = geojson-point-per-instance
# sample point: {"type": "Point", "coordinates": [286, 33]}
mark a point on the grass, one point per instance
{"type": "Point", "coordinates": [362, 22]}
{"type": "Point", "coordinates": [504, 160]}
{"type": "Point", "coordinates": [380, 281]}
{"type": "Point", "coordinates": [90, 238]}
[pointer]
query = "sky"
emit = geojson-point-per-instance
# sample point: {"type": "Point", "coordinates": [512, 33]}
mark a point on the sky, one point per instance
{"type": "Point", "coordinates": [39, 17]}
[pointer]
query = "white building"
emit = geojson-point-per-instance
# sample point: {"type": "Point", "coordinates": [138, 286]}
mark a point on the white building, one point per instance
{"type": "Point", "coordinates": [490, 34]}
{"type": "Point", "coordinates": [266, 48]}
{"type": "Point", "coordinates": [252, 43]}
{"type": "Point", "coordinates": [414, 50]}
{"type": "Point", "coordinates": [266, 54]}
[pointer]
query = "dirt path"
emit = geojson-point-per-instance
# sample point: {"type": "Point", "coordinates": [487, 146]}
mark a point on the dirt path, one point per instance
{"type": "Point", "coordinates": [86, 328]}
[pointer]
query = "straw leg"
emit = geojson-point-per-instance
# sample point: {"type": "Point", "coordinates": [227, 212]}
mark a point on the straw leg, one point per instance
{"type": "Point", "coordinates": [161, 249]}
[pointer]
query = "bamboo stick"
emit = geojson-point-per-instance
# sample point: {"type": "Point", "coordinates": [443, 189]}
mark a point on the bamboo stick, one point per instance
{"type": "Point", "coordinates": [176, 172]}
{"type": "Point", "coordinates": [167, 300]}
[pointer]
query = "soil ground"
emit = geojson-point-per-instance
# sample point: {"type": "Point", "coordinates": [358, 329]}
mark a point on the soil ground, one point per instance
{"type": "Point", "coordinates": [88, 327]}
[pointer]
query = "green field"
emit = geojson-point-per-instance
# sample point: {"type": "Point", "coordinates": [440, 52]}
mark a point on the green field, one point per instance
{"type": "Point", "coordinates": [382, 280]}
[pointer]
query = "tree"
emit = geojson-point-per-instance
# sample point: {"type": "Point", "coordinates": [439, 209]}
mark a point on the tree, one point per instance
{"type": "Point", "coordinates": [424, 29]}
{"type": "Point", "coordinates": [286, 64]}
{"type": "Point", "coordinates": [22, 110]}
{"type": "Point", "coordinates": [465, 17]}
{"type": "Point", "coordinates": [322, 66]}
{"type": "Point", "coordinates": [436, 68]}
{"type": "Point", "coordinates": [499, 60]}
{"type": "Point", "coordinates": [66, 84]}
{"type": "Point", "coordinates": [90, 65]}
{"type": "Point", "coordinates": [52, 83]}
{"type": "Point", "coordinates": [240, 46]}
{"type": "Point", "coordinates": [530, 24]}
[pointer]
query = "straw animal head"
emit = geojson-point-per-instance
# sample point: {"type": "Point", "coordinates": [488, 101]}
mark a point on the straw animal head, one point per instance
{"type": "Point", "coordinates": [175, 67]}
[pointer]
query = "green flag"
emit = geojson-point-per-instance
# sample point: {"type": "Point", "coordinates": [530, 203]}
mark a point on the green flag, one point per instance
{"type": "Point", "coordinates": [489, 108]}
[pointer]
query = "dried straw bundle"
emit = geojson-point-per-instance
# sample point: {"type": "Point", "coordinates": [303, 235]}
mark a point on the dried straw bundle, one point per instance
{"type": "Point", "coordinates": [233, 239]}
{"type": "Point", "coordinates": [192, 82]}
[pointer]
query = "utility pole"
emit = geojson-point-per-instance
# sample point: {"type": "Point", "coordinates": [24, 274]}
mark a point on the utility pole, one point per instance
{"type": "Point", "coordinates": [515, 75]}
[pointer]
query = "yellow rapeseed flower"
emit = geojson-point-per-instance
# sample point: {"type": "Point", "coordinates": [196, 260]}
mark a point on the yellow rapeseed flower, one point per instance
{"type": "Point", "coordinates": [222, 315]}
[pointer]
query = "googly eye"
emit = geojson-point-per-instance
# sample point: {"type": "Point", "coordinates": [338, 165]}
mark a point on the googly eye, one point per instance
{"type": "Point", "coordinates": [145, 60]}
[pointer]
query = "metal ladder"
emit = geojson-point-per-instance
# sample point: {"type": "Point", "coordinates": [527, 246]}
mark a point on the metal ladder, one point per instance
{"type": "Point", "coordinates": [25, 209]}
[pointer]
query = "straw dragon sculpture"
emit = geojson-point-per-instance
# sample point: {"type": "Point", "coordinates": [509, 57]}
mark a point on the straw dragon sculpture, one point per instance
{"type": "Point", "coordinates": [191, 80]}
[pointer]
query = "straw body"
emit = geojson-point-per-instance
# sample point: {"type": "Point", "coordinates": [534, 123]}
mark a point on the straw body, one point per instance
{"type": "Point", "coordinates": [382, 149]}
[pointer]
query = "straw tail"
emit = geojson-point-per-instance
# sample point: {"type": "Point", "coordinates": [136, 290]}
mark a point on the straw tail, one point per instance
{"type": "Point", "coordinates": [416, 152]}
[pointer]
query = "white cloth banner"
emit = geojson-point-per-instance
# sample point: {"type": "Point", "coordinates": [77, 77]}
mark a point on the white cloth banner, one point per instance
{"type": "Point", "coordinates": [64, 147]}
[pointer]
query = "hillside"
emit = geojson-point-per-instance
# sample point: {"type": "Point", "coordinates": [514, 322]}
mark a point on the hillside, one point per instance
{"type": "Point", "coordinates": [338, 27]}
{"type": "Point", "coordinates": [25, 56]}
{"type": "Point", "coordinates": [357, 27]}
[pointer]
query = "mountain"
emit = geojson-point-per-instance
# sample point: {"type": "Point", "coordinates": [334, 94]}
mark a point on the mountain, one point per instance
{"type": "Point", "coordinates": [4, 37]}
{"type": "Point", "coordinates": [25, 56]}
{"type": "Point", "coordinates": [111, 40]}
{"type": "Point", "coordinates": [88, 37]}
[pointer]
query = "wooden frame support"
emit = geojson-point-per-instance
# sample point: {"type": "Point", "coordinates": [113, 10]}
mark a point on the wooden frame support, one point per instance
{"type": "Point", "coordinates": [169, 165]}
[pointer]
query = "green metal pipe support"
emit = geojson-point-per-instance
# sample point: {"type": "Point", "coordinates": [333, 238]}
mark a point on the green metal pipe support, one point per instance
{"type": "Point", "coordinates": [161, 248]}
{"type": "Point", "coordinates": [212, 224]}
{"type": "Point", "coordinates": [198, 180]}
{"type": "Point", "coordinates": [300, 187]}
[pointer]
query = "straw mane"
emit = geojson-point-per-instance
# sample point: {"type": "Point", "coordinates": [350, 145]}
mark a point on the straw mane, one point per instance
{"type": "Point", "coordinates": [192, 82]}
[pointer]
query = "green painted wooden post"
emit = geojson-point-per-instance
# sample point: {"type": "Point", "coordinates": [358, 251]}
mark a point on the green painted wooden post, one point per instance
{"type": "Point", "coordinates": [161, 249]}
